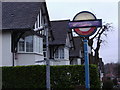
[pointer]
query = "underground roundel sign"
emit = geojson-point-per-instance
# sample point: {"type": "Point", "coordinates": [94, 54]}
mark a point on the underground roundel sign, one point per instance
{"type": "Point", "coordinates": [85, 23]}
{"type": "Point", "coordinates": [85, 31]}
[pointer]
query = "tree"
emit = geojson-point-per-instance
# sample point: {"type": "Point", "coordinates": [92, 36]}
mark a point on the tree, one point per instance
{"type": "Point", "coordinates": [97, 38]}
{"type": "Point", "coordinates": [115, 81]}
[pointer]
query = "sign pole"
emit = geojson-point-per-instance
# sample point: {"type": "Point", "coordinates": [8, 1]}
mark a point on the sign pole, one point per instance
{"type": "Point", "coordinates": [86, 58]}
{"type": "Point", "coordinates": [47, 62]}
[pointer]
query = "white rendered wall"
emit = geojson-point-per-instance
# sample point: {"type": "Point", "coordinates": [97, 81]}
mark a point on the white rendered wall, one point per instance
{"type": "Point", "coordinates": [28, 58]}
{"type": "Point", "coordinates": [62, 62]}
{"type": "Point", "coordinates": [66, 53]}
{"type": "Point", "coordinates": [0, 48]}
{"type": "Point", "coordinates": [6, 49]}
{"type": "Point", "coordinates": [78, 61]}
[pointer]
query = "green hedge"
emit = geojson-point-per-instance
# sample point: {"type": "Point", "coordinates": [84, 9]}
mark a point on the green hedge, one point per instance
{"type": "Point", "coordinates": [35, 76]}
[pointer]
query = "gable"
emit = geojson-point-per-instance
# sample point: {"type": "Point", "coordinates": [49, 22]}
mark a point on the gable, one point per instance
{"type": "Point", "coordinates": [78, 47]}
{"type": "Point", "coordinates": [68, 43]}
{"type": "Point", "coordinates": [60, 30]}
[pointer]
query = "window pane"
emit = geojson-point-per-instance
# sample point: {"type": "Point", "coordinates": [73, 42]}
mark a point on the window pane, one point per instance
{"type": "Point", "coordinates": [61, 53]}
{"type": "Point", "coordinates": [56, 53]}
{"type": "Point", "coordinates": [21, 44]}
{"type": "Point", "coordinates": [39, 46]}
{"type": "Point", "coordinates": [29, 43]}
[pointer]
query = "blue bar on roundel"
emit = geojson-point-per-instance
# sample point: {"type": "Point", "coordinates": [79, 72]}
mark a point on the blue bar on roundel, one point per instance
{"type": "Point", "coordinates": [85, 23]}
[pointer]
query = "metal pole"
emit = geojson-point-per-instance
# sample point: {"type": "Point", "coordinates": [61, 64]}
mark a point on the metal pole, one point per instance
{"type": "Point", "coordinates": [47, 61]}
{"type": "Point", "coordinates": [86, 57]}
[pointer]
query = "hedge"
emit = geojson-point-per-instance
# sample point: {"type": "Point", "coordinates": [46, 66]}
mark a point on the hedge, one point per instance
{"type": "Point", "coordinates": [66, 76]}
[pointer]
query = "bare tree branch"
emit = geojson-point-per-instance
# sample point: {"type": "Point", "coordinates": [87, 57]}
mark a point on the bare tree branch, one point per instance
{"type": "Point", "coordinates": [102, 31]}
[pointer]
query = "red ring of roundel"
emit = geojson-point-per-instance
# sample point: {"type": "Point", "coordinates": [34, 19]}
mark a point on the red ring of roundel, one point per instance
{"type": "Point", "coordinates": [89, 32]}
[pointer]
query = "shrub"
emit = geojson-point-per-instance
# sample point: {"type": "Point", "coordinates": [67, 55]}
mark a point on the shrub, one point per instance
{"type": "Point", "coordinates": [108, 85]}
{"type": "Point", "coordinates": [66, 76]}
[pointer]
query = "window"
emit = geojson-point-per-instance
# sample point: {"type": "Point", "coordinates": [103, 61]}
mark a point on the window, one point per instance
{"type": "Point", "coordinates": [30, 44]}
{"type": "Point", "coordinates": [40, 23]}
{"type": "Point", "coordinates": [38, 44]}
{"type": "Point", "coordinates": [21, 44]}
{"type": "Point", "coordinates": [59, 53]}
{"type": "Point", "coordinates": [56, 54]}
{"type": "Point", "coordinates": [25, 44]}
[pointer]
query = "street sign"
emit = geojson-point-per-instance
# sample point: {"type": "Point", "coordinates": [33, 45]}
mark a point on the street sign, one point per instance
{"type": "Point", "coordinates": [85, 24]}
{"type": "Point", "coordinates": [85, 27]}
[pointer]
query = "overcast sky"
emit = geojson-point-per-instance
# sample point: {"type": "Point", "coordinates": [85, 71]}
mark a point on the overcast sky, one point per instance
{"type": "Point", "coordinates": [107, 10]}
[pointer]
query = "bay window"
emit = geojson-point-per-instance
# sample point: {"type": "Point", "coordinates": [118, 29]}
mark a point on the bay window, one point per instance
{"type": "Point", "coordinates": [30, 44]}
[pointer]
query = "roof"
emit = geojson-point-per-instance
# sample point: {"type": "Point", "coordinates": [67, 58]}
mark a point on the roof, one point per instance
{"type": "Point", "coordinates": [59, 31]}
{"type": "Point", "coordinates": [19, 15]}
{"type": "Point", "coordinates": [78, 46]}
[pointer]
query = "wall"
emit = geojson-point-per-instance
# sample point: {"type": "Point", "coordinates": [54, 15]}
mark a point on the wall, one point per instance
{"type": "Point", "coordinates": [67, 47]}
{"type": "Point", "coordinates": [66, 53]}
{"type": "Point", "coordinates": [28, 58]}
{"type": "Point", "coordinates": [76, 61]}
{"type": "Point", "coordinates": [60, 62]}
{"type": "Point", "coordinates": [0, 48]}
{"type": "Point", "coordinates": [6, 49]}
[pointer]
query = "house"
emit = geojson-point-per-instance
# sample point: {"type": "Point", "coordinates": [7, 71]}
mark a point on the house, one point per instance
{"type": "Point", "coordinates": [62, 43]}
{"type": "Point", "coordinates": [23, 32]}
{"type": "Point", "coordinates": [77, 54]}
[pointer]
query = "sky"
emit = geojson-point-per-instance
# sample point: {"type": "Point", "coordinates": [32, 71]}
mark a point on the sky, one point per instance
{"type": "Point", "coordinates": [107, 10]}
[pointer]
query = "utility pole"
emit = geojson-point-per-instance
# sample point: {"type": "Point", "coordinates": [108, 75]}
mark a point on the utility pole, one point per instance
{"type": "Point", "coordinates": [47, 60]}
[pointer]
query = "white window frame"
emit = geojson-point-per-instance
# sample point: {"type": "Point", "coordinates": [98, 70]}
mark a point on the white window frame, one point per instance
{"type": "Point", "coordinates": [39, 23]}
